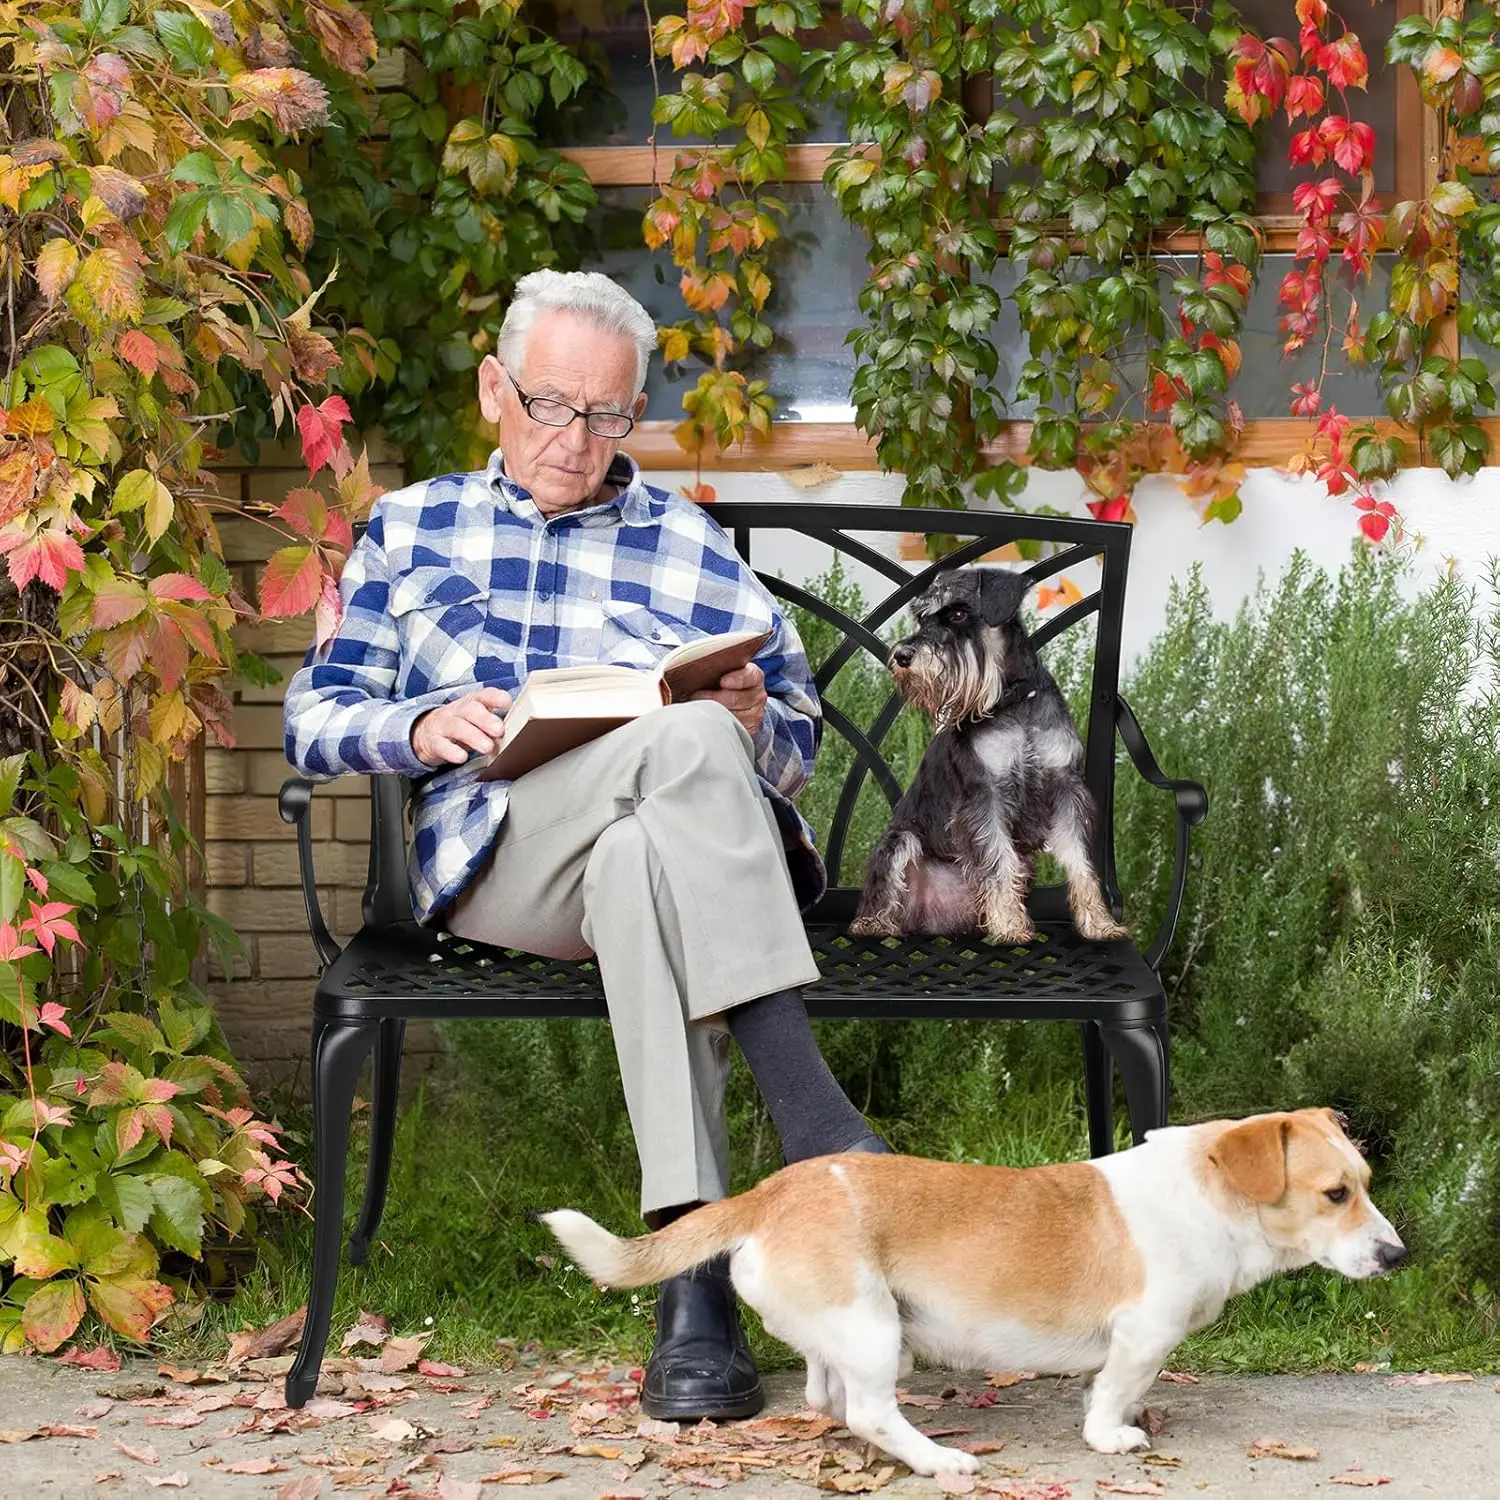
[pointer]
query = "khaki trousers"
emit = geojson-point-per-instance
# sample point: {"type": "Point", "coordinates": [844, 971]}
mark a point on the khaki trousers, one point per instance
{"type": "Point", "coordinates": [655, 849]}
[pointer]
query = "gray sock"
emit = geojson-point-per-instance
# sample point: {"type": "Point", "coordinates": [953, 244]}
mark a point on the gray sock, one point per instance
{"type": "Point", "coordinates": [811, 1112]}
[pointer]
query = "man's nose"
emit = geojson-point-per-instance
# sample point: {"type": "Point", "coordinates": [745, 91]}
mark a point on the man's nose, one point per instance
{"type": "Point", "coordinates": [1390, 1254]}
{"type": "Point", "coordinates": [901, 655]}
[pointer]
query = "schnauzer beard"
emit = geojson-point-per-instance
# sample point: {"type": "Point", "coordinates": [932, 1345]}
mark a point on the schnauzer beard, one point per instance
{"type": "Point", "coordinates": [966, 684]}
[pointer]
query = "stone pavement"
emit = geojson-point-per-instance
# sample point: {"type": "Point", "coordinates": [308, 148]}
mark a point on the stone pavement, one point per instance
{"type": "Point", "coordinates": [577, 1435]}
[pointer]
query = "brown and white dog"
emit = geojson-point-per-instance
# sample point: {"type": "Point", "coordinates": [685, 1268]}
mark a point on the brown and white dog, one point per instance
{"type": "Point", "coordinates": [1102, 1267]}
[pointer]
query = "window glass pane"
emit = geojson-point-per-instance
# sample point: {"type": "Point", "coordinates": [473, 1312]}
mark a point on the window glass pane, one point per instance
{"type": "Point", "coordinates": [1263, 385]}
{"type": "Point", "coordinates": [1375, 104]}
{"type": "Point", "coordinates": [817, 268]}
{"type": "Point", "coordinates": [617, 110]}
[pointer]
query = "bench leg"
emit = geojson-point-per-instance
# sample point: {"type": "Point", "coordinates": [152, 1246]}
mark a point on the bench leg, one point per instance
{"type": "Point", "coordinates": [339, 1053]}
{"type": "Point", "coordinates": [385, 1084]}
{"type": "Point", "coordinates": [1140, 1053]}
{"type": "Point", "coordinates": [1099, 1089]}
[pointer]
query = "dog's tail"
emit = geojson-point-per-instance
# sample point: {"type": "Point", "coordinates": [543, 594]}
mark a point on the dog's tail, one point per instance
{"type": "Point", "coordinates": [686, 1242]}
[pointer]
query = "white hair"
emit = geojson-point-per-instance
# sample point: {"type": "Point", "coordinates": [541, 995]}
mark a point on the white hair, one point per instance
{"type": "Point", "coordinates": [592, 296]}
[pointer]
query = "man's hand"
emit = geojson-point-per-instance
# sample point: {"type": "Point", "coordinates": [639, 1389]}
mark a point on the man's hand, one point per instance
{"type": "Point", "coordinates": [743, 693]}
{"type": "Point", "coordinates": [451, 734]}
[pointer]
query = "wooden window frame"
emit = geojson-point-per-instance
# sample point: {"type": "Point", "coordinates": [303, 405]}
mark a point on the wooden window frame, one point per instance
{"type": "Point", "coordinates": [1420, 151]}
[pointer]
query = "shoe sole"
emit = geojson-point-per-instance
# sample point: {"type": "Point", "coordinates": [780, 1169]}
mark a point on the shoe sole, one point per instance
{"type": "Point", "coordinates": [685, 1410]}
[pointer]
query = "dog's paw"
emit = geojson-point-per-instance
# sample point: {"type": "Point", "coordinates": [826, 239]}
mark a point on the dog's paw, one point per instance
{"type": "Point", "coordinates": [881, 927]}
{"type": "Point", "coordinates": [1100, 929]}
{"type": "Point", "coordinates": [953, 1461]}
{"type": "Point", "coordinates": [1014, 932]}
{"type": "Point", "coordinates": [1115, 1439]}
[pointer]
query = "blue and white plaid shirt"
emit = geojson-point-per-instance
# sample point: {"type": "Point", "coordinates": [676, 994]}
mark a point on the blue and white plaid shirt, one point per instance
{"type": "Point", "coordinates": [461, 582]}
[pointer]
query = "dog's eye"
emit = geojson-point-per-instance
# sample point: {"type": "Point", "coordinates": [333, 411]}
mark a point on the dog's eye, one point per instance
{"type": "Point", "coordinates": [1339, 1194]}
{"type": "Point", "coordinates": [957, 614]}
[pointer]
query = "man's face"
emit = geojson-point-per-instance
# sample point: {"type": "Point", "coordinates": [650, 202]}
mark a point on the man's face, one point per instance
{"type": "Point", "coordinates": [569, 360]}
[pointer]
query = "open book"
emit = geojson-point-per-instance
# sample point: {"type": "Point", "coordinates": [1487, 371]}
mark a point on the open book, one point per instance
{"type": "Point", "coordinates": [560, 708]}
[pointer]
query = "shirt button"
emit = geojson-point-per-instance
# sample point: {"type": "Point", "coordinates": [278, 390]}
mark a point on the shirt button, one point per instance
{"type": "Point", "coordinates": [544, 596]}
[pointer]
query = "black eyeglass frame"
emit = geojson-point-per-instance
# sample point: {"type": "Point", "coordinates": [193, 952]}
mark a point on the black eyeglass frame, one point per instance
{"type": "Point", "coordinates": [588, 416]}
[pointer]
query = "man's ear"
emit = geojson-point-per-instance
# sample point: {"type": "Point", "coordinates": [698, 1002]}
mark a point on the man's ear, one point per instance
{"type": "Point", "coordinates": [491, 383]}
{"type": "Point", "coordinates": [1252, 1158]}
{"type": "Point", "coordinates": [1000, 594]}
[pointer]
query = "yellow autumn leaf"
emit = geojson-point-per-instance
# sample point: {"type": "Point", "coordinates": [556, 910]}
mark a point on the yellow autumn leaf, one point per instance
{"type": "Point", "coordinates": [56, 266]}
{"type": "Point", "coordinates": [169, 717]}
{"type": "Point", "coordinates": [112, 283]}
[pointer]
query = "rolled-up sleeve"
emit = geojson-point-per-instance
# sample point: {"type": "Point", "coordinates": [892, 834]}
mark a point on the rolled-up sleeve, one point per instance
{"type": "Point", "coordinates": [787, 742]}
{"type": "Point", "coordinates": [340, 716]}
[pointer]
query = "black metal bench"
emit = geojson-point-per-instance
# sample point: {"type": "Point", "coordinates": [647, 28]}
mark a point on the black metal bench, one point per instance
{"type": "Point", "coordinates": [393, 971]}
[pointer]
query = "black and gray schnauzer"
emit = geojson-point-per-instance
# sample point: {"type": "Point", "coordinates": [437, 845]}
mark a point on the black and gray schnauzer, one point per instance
{"type": "Point", "coordinates": [1001, 781]}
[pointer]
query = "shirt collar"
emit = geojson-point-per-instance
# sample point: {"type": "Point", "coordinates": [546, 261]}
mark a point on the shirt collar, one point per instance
{"type": "Point", "coordinates": [631, 504]}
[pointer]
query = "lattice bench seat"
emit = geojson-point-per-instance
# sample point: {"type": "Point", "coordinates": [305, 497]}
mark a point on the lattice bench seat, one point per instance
{"type": "Point", "coordinates": [393, 971]}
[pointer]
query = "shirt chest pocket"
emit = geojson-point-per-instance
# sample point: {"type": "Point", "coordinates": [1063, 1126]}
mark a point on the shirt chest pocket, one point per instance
{"type": "Point", "coordinates": [633, 636]}
{"type": "Point", "coordinates": [440, 618]}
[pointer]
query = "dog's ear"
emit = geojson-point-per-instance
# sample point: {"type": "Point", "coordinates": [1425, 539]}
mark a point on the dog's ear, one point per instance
{"type": "Point", "coordinates": [1000, 594]}
{"type": "Point", "coordinates": [1252, 1158]}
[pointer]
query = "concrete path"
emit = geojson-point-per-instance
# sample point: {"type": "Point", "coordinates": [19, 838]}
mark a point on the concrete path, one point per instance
{"type": "Point", "coordinates": [578, 1435]}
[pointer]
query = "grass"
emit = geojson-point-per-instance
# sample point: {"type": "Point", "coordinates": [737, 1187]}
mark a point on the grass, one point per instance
{"type": "Point", "coordinates": [1339, 946]}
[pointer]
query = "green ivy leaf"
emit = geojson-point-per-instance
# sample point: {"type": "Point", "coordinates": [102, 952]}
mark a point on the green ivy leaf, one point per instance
{"type": "Point", "coordinates": [12, 768]}
{"type": "Point", "coordinates": [134, 1030]}
{"type": "Point", "coordinates": [178, 1217]}
{"type": "Point", "coordinates": [52, 1313]}
{"type": "Point", "coordinates": [126, 1199]}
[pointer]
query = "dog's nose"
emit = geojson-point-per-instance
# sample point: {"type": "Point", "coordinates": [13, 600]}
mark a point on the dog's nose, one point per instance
{"type": "Point", "coordinates": [901, 655]}
{"type": "Point", "coordinates": [1390, 1254]}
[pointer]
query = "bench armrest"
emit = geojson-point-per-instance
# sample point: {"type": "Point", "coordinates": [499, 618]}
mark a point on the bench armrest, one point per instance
{"type": "Point", "coordinates": [295, 806]}
{"type": "Point", "coordinates": [1192, 808]}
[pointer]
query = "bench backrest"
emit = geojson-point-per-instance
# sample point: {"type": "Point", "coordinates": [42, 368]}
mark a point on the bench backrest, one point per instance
{"type": "Point", "coordinates": [1073, 543]}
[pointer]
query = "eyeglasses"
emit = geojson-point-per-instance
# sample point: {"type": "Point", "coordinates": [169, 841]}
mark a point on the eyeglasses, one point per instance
{"type": "Point", "coordinates": [553, 413]}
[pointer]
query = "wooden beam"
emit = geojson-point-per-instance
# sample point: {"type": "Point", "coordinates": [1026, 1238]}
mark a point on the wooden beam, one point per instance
{"type": "Point", "coordinates": [644, 166]}
{"type": "Point", "coordinates": [841, 445]}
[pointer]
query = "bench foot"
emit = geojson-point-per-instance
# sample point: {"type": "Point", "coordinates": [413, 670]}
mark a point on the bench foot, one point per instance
{"type": "Point", "coordinates": [339, 1053]}
{"type": "Point", "coordinates": [385, 1085]}
{"type": "Point", "coordinates": [1099, 1090]}
{"type": "Point", "coordinates": [1140, 1053]}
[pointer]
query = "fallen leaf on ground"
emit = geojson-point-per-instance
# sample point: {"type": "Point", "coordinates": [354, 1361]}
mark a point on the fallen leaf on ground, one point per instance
{"type": "Point", "coordinates": [368, 1328]}
{"type": "Point", "coordinates": [845, 1483]}
{"type": "Point", "coordinates": [663, 1432]}
{"type": "Point", "coordinates": [181, 1376]}
{"type": "Point", "coordinates": [1366, 1367]}
{"type": "Point", "coordinates": [255, 1466]}
{"type": "Point", "coordinates": [450, 1488]}
{"type": "Point", "coordinates": [622, 1495]}
{"type": "Point", "coordinates": [1178, 1377]}
{"type": "Point", "coordinates": [1161, 1460]}
{"type": "Point", "coordinates": [93, 1410]}
{"type": "Point", "coordinates": [308, 1487]}
{"type": "Point", "coordinates": [1428, 1378]}
{"type": "Point", "coordinates": [1003, 1379]}
{"type": "Point", "coordinates": [1129, 1487]}
{"type": "Point", "coordinates": [396, 1430]}
{"type": "Point", "coordinates": [593, 1450]}
{"type": "Point", "coordinates": [1362, 1481]}
{"type": "Point", "coordinates": [1154, 1420]}
{"type": "Point", "coordinates": [108, 1476]}
{"type": "Point", "coordinates": [64, 1429]}
{"type": "Point", "coordinates": [927, 1403]}
{"type": "Point", "coordinates": [521, 1476]}
{"type": "Point", "coordinates": [800, 1429]}
{"type": "Point", "coordinates": [177, 1480]}
{"type": "Point", "coordinates": [263, 1343]}
{"type": "Point", "coordinates": [436, 1368]}
{"type": "Point", "coordinates": [1275, 1448]}
{"type": "Point", "coordinates": [501, 1440]}
{"type": "Point", "coordinates": [402, 1353]}
{"type": "Point", "coordinates": [956, 1484]}
{"type": "Point", "coordinates": [175, 1419]}
{"type": "Point", "coordinates": [984, 1445]}
{"type": "Point", "coordinates": [105, 1360]}
{"type": "Point", "coordinates": [703, 1479]}
{"type": "Point", "coordinates": [146, 1455]}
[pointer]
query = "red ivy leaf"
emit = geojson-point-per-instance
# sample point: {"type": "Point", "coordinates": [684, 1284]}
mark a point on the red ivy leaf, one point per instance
{"type": "Point", "coordinates": [322, 432]}
{"type": "Point", "coordinates": [49, 555]}
{"type": "Point", "coordinates": [140, 349]}
{"type": "Point", "coordinates": [179, 586]}
{"type": "Point", "coordinates": [292, 581]}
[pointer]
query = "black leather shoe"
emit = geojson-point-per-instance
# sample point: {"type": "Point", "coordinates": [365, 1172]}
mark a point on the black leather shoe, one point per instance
{"type": "Point", "coordinates": [701, 1365]}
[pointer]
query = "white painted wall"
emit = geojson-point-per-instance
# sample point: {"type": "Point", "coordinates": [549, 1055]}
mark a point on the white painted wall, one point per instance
{"type": "Point", "coordinates": [1447, 524]}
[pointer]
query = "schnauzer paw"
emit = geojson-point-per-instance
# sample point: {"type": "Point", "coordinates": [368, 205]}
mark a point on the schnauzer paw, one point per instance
{"type": "Point", "coordinates": [1101, 929]}
{"type": "Point", "coordinates": [953, 1461]}
{"type": "Point", "coordinates": [1115, 1439]}
{"type": "Point", "coordinates": [873, 927]}
{"type": "Point", "coordinates": [1016, 932]}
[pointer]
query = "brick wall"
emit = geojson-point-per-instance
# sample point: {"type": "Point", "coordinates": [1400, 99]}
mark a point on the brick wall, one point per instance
{"type": "Point", "coordinates": [250, 854]}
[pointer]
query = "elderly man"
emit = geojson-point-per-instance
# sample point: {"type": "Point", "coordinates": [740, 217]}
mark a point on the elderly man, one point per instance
{"type": "Point", "coordinates": [669, 849]}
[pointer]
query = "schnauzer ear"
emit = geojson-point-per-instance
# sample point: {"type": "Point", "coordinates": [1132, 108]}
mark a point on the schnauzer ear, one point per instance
{"type": "Point", "coordinates": [1000, 594]}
